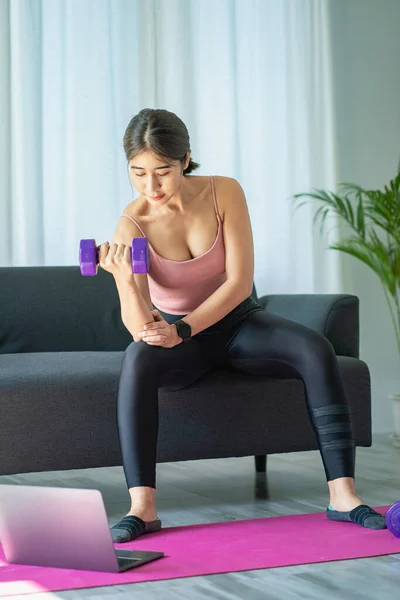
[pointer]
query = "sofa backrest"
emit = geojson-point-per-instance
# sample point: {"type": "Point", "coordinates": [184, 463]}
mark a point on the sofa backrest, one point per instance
{"type": "Point", "coordinates": [55, 309]}
{"type": "Point", "coordinates": [50, 309]}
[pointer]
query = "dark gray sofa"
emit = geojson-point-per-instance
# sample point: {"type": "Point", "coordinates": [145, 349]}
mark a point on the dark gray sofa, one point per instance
{"type": "Point", "coordinates": [61, 347]}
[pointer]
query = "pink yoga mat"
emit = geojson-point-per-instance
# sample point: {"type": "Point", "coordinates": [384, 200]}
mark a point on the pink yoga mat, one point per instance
{"type": "Point", "coordinates": [217, 548]}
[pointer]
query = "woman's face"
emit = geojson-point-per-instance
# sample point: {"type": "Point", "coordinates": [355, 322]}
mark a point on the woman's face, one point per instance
{"type": "Point", "coordinates": [154, 178]}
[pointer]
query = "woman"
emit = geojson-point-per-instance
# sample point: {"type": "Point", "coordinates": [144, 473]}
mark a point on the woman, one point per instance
{"type": "Point", "coordinates": [200, 282]}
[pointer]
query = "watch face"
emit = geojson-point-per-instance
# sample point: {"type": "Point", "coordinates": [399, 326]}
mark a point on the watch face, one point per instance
{"type": "Point", "coordinates": [184, 330]}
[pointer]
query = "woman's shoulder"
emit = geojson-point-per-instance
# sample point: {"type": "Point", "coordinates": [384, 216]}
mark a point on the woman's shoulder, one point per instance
{"type": "Point", "coordinates": [226, 183]}
{"type": "Point", "coordinates": [226, 180]}
{"type": "Point", "coordinates": [135, 208]}
{"type": "Point", "coordinates": [129, 227]}
{"type": "Point", "coordinates": [228, 192]}
{"type": "Point", "coordinates": [220, 179]}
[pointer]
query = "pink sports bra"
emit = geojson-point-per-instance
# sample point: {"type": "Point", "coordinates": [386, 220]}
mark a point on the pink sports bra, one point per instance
{"type": "Point", "coordinates": [179, 287]}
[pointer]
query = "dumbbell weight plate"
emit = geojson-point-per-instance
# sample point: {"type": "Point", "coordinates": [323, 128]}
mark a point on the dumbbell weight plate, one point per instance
{"type": "Point", "coordinates": [88, 257]}
{"type": "Point", "coordinates": [140, 255]}
{"type": "Point", "coordinates": [393, 519]}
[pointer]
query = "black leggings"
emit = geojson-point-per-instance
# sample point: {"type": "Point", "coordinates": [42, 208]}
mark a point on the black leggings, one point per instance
{"type": "Point", "coordinates": [246, 339]}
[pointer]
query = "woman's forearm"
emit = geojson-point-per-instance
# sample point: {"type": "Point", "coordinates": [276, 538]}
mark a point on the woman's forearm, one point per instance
{"type": "Point", "coordinates": [217, 306]}
{"type": "Point", "coordinates": [134, 309]}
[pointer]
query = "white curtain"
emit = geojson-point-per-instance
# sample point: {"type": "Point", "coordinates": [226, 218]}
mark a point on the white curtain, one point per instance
{"type": "Point", "coordinates": [250, 78]}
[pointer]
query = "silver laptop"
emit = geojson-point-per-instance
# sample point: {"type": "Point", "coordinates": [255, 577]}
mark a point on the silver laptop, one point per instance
{"type": "Point", "coordinates": [61, 527]}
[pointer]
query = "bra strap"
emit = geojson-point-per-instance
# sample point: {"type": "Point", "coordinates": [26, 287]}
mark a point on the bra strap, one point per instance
{"type": "Point", "coordinates": [214, 197]}
{"type": "Point", "coordinates": [136, 223]}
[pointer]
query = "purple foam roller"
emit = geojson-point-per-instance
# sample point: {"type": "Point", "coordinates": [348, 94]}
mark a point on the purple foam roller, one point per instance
{"type": "Point", "coordinates": [140, 255]}
{"type": "Point", "coordinates": [393, 519]}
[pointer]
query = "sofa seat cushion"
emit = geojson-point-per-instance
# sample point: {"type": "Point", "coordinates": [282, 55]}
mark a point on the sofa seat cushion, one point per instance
{"type": "Point", "coordinates": [59, 409]}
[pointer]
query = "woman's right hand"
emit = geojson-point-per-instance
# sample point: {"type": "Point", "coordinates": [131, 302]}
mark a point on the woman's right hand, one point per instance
{"type": "Point", "coordinates": [116, 259]}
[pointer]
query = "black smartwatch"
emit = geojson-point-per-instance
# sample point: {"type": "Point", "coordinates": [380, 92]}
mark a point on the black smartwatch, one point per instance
{"type": "Point", "coordinates": [184, 330]}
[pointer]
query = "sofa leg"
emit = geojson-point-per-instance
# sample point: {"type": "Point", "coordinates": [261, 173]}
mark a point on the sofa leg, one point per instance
{"type": "Point", "coordinates": [261, 491]}
{"type": "Point", "coordinates": [261, 463]}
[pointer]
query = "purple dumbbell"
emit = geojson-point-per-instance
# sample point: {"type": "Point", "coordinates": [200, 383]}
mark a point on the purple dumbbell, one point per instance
{"type": "Point", "coordinates": [89, 256]}
{"type": "Point", "coordinates": [393, 519]}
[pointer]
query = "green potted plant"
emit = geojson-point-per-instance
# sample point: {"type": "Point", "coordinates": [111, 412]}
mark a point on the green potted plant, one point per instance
{"type": "Point", "coordinates": [372, 218]}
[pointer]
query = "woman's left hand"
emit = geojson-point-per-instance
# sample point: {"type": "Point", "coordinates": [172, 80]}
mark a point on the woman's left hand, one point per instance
{"type": "Point", "coordinates": [160, 333]}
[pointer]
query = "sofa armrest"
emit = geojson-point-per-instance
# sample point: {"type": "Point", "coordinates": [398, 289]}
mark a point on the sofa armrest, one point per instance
{"type": "Point", "coordinates": [336, 316]}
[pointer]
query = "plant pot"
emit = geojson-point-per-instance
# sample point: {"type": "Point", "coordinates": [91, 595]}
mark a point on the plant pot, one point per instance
{"type": "Point", "coordinates": [396, 418]}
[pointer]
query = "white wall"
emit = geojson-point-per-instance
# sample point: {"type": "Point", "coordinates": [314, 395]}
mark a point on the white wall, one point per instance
{"type": "Point", "coordinates": [366, 66]}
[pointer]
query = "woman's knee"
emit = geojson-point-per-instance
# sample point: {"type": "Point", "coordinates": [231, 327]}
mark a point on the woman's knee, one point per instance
{"type": "Point", "coordinates": [138, 378]}
{"type": "Point", "coordinates": [317, 347]}
{"type": "Point", "coordinates": [140, 357]}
